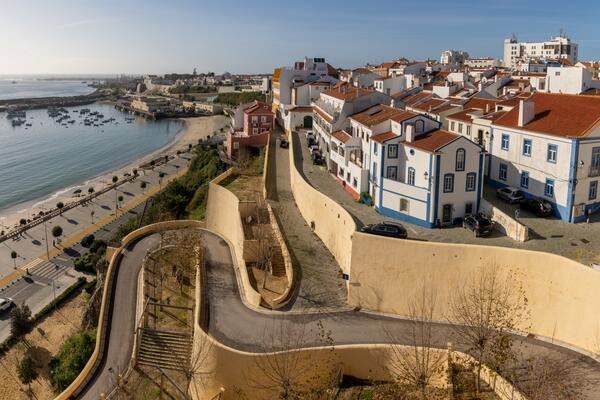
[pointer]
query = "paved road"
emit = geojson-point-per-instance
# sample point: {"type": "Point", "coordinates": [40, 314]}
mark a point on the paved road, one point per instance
{"type": "Point", "coordinates": [234, 324]}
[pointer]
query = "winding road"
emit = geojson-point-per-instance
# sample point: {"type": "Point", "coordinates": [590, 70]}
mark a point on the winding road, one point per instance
{"type": "Point", "coordinates": [234, 324]}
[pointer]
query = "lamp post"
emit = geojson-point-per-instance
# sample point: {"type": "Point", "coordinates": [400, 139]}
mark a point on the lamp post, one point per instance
{"type": "Point", "coordinates": [46, 234]}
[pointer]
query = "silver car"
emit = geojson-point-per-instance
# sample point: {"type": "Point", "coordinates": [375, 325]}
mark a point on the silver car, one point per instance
{"type": "Point", "coordinates": [510, 194]}
{"type": "Point", "coordinates": [6, 303]}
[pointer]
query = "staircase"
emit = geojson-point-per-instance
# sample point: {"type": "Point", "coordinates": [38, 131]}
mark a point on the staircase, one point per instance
{"type": "Point", "coordinates": [165, 349]}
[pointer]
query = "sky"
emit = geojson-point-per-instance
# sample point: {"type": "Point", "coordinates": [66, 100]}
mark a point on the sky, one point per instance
{"type": "Point", "coordinates": [149, 36]}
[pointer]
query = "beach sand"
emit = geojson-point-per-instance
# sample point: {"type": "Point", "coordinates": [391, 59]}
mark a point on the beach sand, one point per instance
{"type": "Point", "coordinates": [194, 130]}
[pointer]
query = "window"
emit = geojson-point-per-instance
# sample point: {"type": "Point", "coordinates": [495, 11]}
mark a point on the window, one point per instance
{"type": "Point", "coordinates": [348, 177]}
{"type": "Point", "coordinates": [527, 147]}
{"type": "Point", "coordinates": [468, 130]}
{"type": "Point", "coordinates": [502, 172]}
{"type": "Point", "coordinates": [254, 119]}
{"type": "Point", "coordinates": [393, 151]}
{"type": "Point", "coordinates": [593, 193]}
{"type": "Point", "coordinates": [504, 143]}
{"type": "Point", "coordinates": [549, 188]}
{"type": "Point", "coordinates": [525, 180]}
{"type": "Point", "coordinates": [403, 205]}
{"type": "Point", "coordinates": [551, 155]}
{"type": "Point", "coordinates": [392, 173]}
{"type": "Point", "coordinates": [354, 182]}
{"type": "Point", "coordinates": [263, 119]}
{"type": "Point", "coordinates": [411, 176]}
{"type": "Point", "coordinates": [468, 208]}
{"type": "Point", "coordinates": [448, 183]}
{"type": "Point", "coordinates": [419, 126]}
{"type": "Point", "coordinates": [460, 125]}
{"type": "Point", "coordinates": [451, 125]}
{"type": "Point", "coordinates": [460, 159]}
{"type": "Point", "coordinates": [471, 179]}
{"type": "Point", "coordinates": [341, 172]}
{"type": "Point", "coordinates": [375, 148]}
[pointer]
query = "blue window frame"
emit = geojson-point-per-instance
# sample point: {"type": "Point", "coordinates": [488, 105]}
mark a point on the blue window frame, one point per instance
{"type": "Point", "coordinates": [505, 141]}
{"type": "Point", "coordinates": [471, 181]}
{"type": "Point", "coordinates": [525, 180]}
{"type": "Point", "coordinates": [411, 176]}
{"type": "Point", "coordinates": [527, 147]}
{"type": "Point", "coordinates": [393, 151]}
{"type": "Point", "coordinates": [549, 188]}
{"type": "Point", "coordinates": [460, 159]}
{"type": "Point", "coordinates": [552, 153]}
{"type": "Point", "coordinates": [448, 183]}
{"type": "Point", "coordinates": [503, 172]}
{"type": "Point", "coordinates": [593, 193]}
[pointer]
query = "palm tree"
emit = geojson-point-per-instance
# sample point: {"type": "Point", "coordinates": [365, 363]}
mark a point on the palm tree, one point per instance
{"type": "Point", "coordinates": [60, 205]}
{"type": "Point", "coordinates": [91, 190]}
{"type": "Point", "coordinates": [92, 215]}
{"type": "Point", "coordinates": [114, 180]}
{"type": "Point", "coordinates": [161, 175]}
{"type": "Point", "coordinates": [143, 186]}
{"type": "Point", "coordinates": [13, 255]}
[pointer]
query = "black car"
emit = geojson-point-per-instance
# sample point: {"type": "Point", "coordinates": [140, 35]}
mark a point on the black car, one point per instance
{"type": "Point", "coordinates": [310, 141]}
{"type": "Point", "coordinates": [479, 224]}
{"type": "Point", "coordinates": [87, 240]}
{"type": "Point", "coordinates": [316, 158]}
{"type": "Point", "coordinates": [390, 229]}
{"type": "Point", "coordinates": [284, 144]}
{"type": "Point", "coordinates": [537, 206]}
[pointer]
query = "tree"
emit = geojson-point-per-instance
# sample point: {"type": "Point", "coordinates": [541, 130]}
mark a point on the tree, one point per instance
{"type": "Point", "coordinates": [143, 186]}
{"type": "Point", "coordinates": [120, 200]}
{"type": "Point", "coordinates": [57, 231]}
{"type": "Point", "coordinates": [152, 163]}
{"type": "Point", "coordinates": [161, 175]}
{"type": "Point", "coordinates": [135, 172]}
{"type": "Point", "coordinates": [14, 255]}
{"type": "Point", "coordinates": [20, 321]}
{"type": "Point", "coordinates": [419, 362]}
{"type": "Point", "coordinates": [26, 370]}
{"type": "Point", "coordinates": [60, 205]}
{"type": "Point", "coordinates": [92, 215]}
{"type": "Point", "coordinates": [90, 190]}
{"type": "Point", "coordinates": [22, 221]}
{"type": "Point", "coordinates": [115, 179]}
{"type": "Point", "coordinates": [484, 311]}
{"type": "Point", "coordinates": [166, 158]}
{"type": "Point", "coordinates": [71, 358]}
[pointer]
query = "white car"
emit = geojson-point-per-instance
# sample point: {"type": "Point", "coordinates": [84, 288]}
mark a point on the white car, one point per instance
{"type": "Point", "coordinates": [6, 303]}
{"type": "Point", "coordinates": [309, 133]}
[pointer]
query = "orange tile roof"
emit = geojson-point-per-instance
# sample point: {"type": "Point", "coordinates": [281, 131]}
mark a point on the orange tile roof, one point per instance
{"type": "Point", "coordinates": [403, 116]}
{"type": "Point", "coordinates": [464, 115]}
{"type": "Point", "coordinates": [376, 115]}
{"type": "Point", "coordinates": [382, 137]}
{"type": "Point", "coordinates": [413, 98]}
{"type": "Point", "coordinates": [481, 104]}
{"type": "Point", "coordinates": [558, 114]}
{"type": "Point", "coordinates": [302, 109]}
{"type": "Point", "coordinates": [430, 105]}
{"type": "Point", "coordinates": [432, 141]}
{"type": "Point", "coordinates": [342, 136]}
{"type": "Point", "coordinates": [323, 114]}
{"type": "Point", "coordinates": [258, 108]}
{"type": "Point", "coordinates": [345, 91]}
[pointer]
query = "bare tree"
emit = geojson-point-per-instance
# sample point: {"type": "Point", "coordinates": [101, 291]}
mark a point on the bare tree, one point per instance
{"type": "Point", "coordinates": [484, 312]}
{"type": "Point", "coordinates": [418, 362]}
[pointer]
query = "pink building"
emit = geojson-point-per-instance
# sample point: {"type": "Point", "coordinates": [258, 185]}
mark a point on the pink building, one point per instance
{"type": "Point", "coordinates": [252, 123]}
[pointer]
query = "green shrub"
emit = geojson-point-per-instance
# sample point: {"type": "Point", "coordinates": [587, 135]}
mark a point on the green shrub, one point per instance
{"type": "Point", "coordinates": [71, 358]}
{"type": "Point", "coordinates": [26, 370]}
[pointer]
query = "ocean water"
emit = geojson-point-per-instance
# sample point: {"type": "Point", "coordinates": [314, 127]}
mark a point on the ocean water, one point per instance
{"type": "Point", "coordinates": [29, 88]}
{"type": "Point", "coordinates": [39, 160]}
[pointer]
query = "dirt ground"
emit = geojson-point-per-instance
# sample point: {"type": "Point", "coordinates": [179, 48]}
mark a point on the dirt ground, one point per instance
{"type": "Point", "coordinates": [44, 342]}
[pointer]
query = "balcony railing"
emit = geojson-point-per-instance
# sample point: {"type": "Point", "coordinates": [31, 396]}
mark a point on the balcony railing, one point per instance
{"type": "Point", "coordinates": [594, 171]}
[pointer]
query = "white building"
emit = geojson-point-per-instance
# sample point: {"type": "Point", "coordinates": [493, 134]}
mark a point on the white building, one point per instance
{"type": "Point", "coordinates": [549, 146]}
{"type": "Point", "coordinates": [482, 62]}
{"type": "Point", "coordinates": [453, 57]}
{"type": "Point", "coordinates": [559, 47]}
{"type": "Point", "coordinates": [569, 80]}
{"type": "Point", "coordinates": [391, 85]}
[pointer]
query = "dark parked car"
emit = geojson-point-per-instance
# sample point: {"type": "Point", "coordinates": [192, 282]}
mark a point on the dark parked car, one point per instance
{"type": "Point", "coordinates": [310, 141]}
{"type": "Point", "coordinates": [479, 224]}
{"type": "Point", "coordinates": [510, 194]}
{"type": "Point", "coordinates": [284, 144]}
{"type": "Point", "coordinates": [539, 207]}
{"type": "Point", "coordinates": [87, 240]}
{"type": "Point", "coordinates": [390, 229]}
{"type": "Point", "coordinates": [316, 158]}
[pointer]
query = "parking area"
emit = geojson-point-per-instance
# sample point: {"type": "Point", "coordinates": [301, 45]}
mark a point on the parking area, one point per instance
{"type": "Point", "coordinates": [580, 242]}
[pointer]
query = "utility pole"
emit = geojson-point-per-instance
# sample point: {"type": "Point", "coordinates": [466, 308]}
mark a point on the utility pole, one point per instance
{"type": "Point", "coordinates": [46, 233]}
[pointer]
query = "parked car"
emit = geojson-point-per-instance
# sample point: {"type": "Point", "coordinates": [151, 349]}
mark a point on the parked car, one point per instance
{"type": "Point", "coordinates": [310, 141]}
{"type": "Point", "coordinates": [314, 149]}
{"type": "Point", "coordinates": [537, 206]}
{"type": "Point", "coordinates": [6, 303]}
{"type": "Point", "coordinates": [478, 223]}
{"type": "Point", "coordinates": [284, 144]}
{"type": "Point", "coordinates": [390, 229]}
{"type": "Point", "coordinates": [309, 133]}
{"type": "Point", "coordinates": [87, 240]}
{"type": "Point", "coordinates": [316, 158]}
{"type": "Point", "coordinates": [510, 194]}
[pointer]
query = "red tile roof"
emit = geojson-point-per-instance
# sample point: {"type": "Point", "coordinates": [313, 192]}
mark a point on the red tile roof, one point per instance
{"type": "Point", "coordinates": [413, 98]}
{"type": "Point", "coordinates": [342, 136]}
{"type": "Point", "coordinates": [464, 115]}
{"type": "Point", "coordinates": [382, 137]}
{"type": "Point", "coordinates": [558, 114]}
{"type": "Point", "coordinates": [429, 105]}
{"type": "Point", "coordinates": [345, 91]}
{"type": "Point", "coordinates": [376, 115]}
{"type": "Point", "coordinates": [258, 108]}
{"type": "Point", "coordinates": [403, 116]}
{"type": "Point", "coordinates": [481, 104]}
{"type": "Point", "coordinates": [432, 141]}
{"type": "Point", "coordinates": [302, 109]}
{"type": "Point", "coordinates": [323, 114]}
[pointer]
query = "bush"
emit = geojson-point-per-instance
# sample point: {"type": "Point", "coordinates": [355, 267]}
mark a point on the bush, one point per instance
{"type": "Point", "coordinates": [98, 246]}
{"type": "Point", "coordinates": [125, 230]}
{"type": "Point", "coordinates": [26, 370]}
{"type": "Point", "coordinates": [20, 321]}
{"type": "Point", "coordinates": [71, 358]}
{"type": "Point", "coordinates": [57, 231]}
{"type": "Point", "coordinates": [234, 99]}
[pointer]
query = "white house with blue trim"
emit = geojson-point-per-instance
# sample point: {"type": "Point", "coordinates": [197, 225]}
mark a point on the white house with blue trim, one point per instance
{"type": "Point", "coordinates": [425, 177]}
{"type": "Point", "coordinates": [549, 146]}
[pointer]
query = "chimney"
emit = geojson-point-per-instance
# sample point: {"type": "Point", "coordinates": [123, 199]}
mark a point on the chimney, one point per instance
{"type": "Point", "coordinates": [409, 130]}
{"type": "Point", "coordinates": [526, 112]}
{"type": "Point", "coordinates": [487, 108]}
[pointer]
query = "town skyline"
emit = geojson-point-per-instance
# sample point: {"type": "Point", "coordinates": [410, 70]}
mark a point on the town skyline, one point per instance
{"type": "Point", "coordinates": [115, 38]}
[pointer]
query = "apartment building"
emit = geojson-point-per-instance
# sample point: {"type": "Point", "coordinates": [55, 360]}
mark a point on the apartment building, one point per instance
{"type": "Point", "coordinates": [482, 62]}
{"type": "Point", "coordinates": [557, 48]}
{"type": "Point", "coordinates": [549, 146]}
{"type": "Point", "coordinates": [570, 80]}
{"type": "Point", "coordinates": [251, 125]}
{"type": "Point", "coordinates": [391, 85]}
{"type": "Point", "coordinates": [453, 57]}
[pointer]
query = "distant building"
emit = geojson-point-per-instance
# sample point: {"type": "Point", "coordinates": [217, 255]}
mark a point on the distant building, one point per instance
{"type": "Point", "coordinates": [251, 125]}
{"type": "Point", "coordinates": [151, 104]}
{"type": "Point", "coordinates": [453, 57]}
{"type": "Point", "coordinates": [557, 48]}
{"type": "Point", "coordinates": [570, 80]}
{"type": "Point", "coordinates": [482, 63]}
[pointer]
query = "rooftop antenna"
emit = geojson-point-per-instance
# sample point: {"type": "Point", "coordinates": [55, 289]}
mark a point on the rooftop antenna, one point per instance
{"type": "Point", "coordinates": [562, 32]}
{"type": "Point", "coordinates": [514, 37]}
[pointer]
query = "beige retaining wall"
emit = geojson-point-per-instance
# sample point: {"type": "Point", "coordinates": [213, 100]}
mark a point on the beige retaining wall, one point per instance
{"type": "Point", "coordinates": [505, 223]}
{"type": "Point", "coordinates": [330, 221]}
{"type": "Point", "coordinates": [563, 296]}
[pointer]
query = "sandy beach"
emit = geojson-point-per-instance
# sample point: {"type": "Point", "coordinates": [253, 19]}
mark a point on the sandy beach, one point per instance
{"type": "Point", "coordinates": [193, 130]}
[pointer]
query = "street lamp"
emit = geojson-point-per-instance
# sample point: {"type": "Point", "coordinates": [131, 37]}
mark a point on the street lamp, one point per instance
{"type": "Point", "coordinates": [46, 234]}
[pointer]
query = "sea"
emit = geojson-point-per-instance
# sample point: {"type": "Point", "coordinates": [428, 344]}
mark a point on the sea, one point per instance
{"type": "Point", "coordinates": [44, 157]}
{"type": "Point", "coordinates": [24, 88]}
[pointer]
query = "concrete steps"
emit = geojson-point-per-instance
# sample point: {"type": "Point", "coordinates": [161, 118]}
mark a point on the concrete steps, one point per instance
{"type": "Point", "coordinates": [165, 349]}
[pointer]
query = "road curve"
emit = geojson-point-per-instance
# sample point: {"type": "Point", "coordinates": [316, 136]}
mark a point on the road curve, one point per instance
{"type": "Point", "coordinates": [234, 324]}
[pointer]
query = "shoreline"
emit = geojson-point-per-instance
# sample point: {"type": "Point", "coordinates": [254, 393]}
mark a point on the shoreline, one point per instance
{"type": "Point", "coordinates": [193, 129]}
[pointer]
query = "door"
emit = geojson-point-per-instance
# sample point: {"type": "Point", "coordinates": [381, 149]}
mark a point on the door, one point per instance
{"type": "Point", "coordinates": [308, 122]}
{"type": "Point", "coordinates": [447, 214]}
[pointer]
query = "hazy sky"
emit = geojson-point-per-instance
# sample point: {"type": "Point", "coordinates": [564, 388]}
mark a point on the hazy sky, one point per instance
{"type": "Point", "coordinates": [135, 36]}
